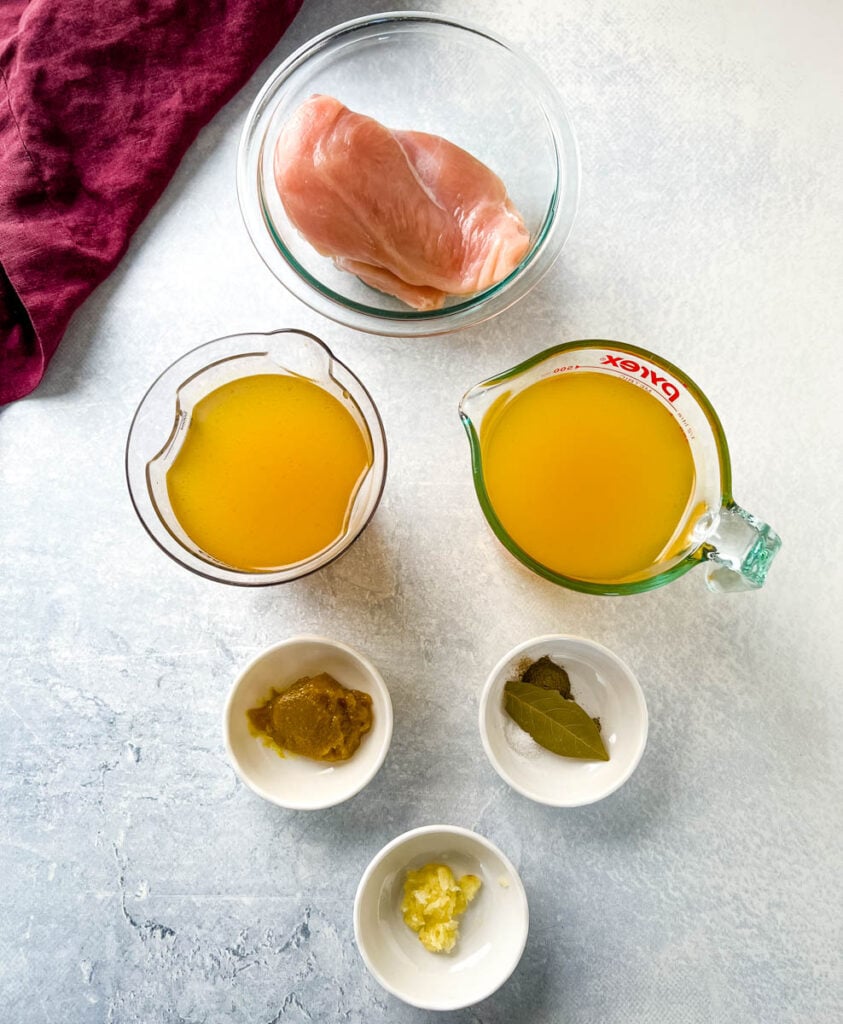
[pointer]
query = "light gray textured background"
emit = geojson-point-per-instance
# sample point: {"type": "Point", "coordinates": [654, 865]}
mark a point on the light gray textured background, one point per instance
{"type": "Point", "coordinates": [140, 882]}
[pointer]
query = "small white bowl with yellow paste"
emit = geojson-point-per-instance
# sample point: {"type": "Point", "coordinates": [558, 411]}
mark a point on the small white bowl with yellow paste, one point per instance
{"type": "Point", "coordinates": [492, 928]}
{"type": "Point", "coordinates": [291, 780]}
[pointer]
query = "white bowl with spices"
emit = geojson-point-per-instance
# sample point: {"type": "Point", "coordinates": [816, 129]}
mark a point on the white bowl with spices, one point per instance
{"type": "Point", "coordinates": [492, 930]}
{"type": "Point", "coordinates": [604, 686]}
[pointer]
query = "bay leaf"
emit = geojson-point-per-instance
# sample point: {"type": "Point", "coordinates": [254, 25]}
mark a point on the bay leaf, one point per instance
{"type": "Point", "coordinates": [558, 725]}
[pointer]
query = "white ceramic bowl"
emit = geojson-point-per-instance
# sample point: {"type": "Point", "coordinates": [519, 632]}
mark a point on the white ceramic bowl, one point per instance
{"type": "Point", "coordinates": [293, 781]}
{"type": "Point", "coordinates": [493, 930]}
{"type": "Point", "coordinates": [604, 686]}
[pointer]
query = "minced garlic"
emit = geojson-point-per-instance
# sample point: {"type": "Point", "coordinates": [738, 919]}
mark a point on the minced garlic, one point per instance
{"type": "Point", "coordinates": [433, 900]}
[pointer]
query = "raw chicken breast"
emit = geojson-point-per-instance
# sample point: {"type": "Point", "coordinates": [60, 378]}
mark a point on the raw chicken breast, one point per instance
{"type": "Point", "coordinates": [410, 214]}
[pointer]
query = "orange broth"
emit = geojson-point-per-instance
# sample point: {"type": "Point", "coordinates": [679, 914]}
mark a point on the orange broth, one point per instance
{"type": "Point", "coordinates": [268, 471]}
{"type": "Point", "coordinates": [590, 475]}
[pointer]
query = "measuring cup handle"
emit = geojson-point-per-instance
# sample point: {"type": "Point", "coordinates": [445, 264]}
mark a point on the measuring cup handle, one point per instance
{"type": "Point", "coordinates": [741, 550]}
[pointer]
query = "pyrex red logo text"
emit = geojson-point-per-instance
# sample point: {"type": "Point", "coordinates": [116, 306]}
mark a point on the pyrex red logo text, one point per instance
{"type": "Point", "coordinates": [670, 390]}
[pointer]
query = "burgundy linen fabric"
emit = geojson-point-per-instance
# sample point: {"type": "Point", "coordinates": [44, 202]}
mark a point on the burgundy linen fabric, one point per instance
{"type": "Point", "coordinates": [98, 103]}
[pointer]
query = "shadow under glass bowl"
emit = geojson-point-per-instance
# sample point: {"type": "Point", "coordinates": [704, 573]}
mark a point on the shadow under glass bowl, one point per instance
{"type": "Point", "coordinates": [160, 425]}
{"type": "Point", "coordinates": [428, 73]}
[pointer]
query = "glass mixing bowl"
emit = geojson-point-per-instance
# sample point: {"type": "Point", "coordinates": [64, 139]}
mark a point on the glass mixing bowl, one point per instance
{"type": "Point", "coordinates": [419, 72]}
{"type": "Point", "coordinates": [163, 417]}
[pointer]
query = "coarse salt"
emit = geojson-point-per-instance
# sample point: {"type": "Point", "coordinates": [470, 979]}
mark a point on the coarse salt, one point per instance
{"type": "Point", "coordinates": [519, 740]}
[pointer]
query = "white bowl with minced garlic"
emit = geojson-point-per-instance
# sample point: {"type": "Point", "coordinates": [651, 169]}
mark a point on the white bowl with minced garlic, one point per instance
{"type": "Point", "coordinates": [492, 930]}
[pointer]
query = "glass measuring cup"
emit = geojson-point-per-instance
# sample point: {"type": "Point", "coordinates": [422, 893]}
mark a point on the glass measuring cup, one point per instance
{"type": "Point", "coordinates": [160, 426]}
{"type": "Point", "coordinates": [736, 547]}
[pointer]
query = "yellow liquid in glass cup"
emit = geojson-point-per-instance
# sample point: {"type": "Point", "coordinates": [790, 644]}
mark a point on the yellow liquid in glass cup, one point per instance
{"type": "Point", "coordinates": [267, 472]}
{"type": "Point", "coordinates": [255, 459]}
{"type": "Point", "coordinates": [604, 468]}
{"type": "Point", "coordinates": [589, 474]}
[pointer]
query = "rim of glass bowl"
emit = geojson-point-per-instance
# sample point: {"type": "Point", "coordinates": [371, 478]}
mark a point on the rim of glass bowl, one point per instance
{"type": "Point", "coordinates": [210, 570]}
{"type": "Point", "coordinates": [552, 235]}
{"type": "Point", "coordinates": [571, 582]}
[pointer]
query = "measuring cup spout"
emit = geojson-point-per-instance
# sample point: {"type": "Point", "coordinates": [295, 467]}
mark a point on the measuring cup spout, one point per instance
{"type": "Point", "coordinates": [739, 551]}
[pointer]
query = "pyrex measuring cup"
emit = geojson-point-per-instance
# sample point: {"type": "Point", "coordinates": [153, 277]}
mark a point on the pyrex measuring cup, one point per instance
{"type": "Point", "coordinates": [736, 546]}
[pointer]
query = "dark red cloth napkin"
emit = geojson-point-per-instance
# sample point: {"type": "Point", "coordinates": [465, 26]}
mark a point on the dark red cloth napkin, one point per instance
{"type": "Point", "coordinates": [99, 99]}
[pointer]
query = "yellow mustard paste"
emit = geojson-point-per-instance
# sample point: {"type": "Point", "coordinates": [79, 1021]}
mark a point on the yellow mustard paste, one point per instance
{"type": "Point", "coordinates": [316, 717]}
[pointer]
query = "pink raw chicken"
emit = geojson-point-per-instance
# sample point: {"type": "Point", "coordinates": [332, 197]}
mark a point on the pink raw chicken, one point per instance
{"type": "Point", "coordinates": [410, 214]}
